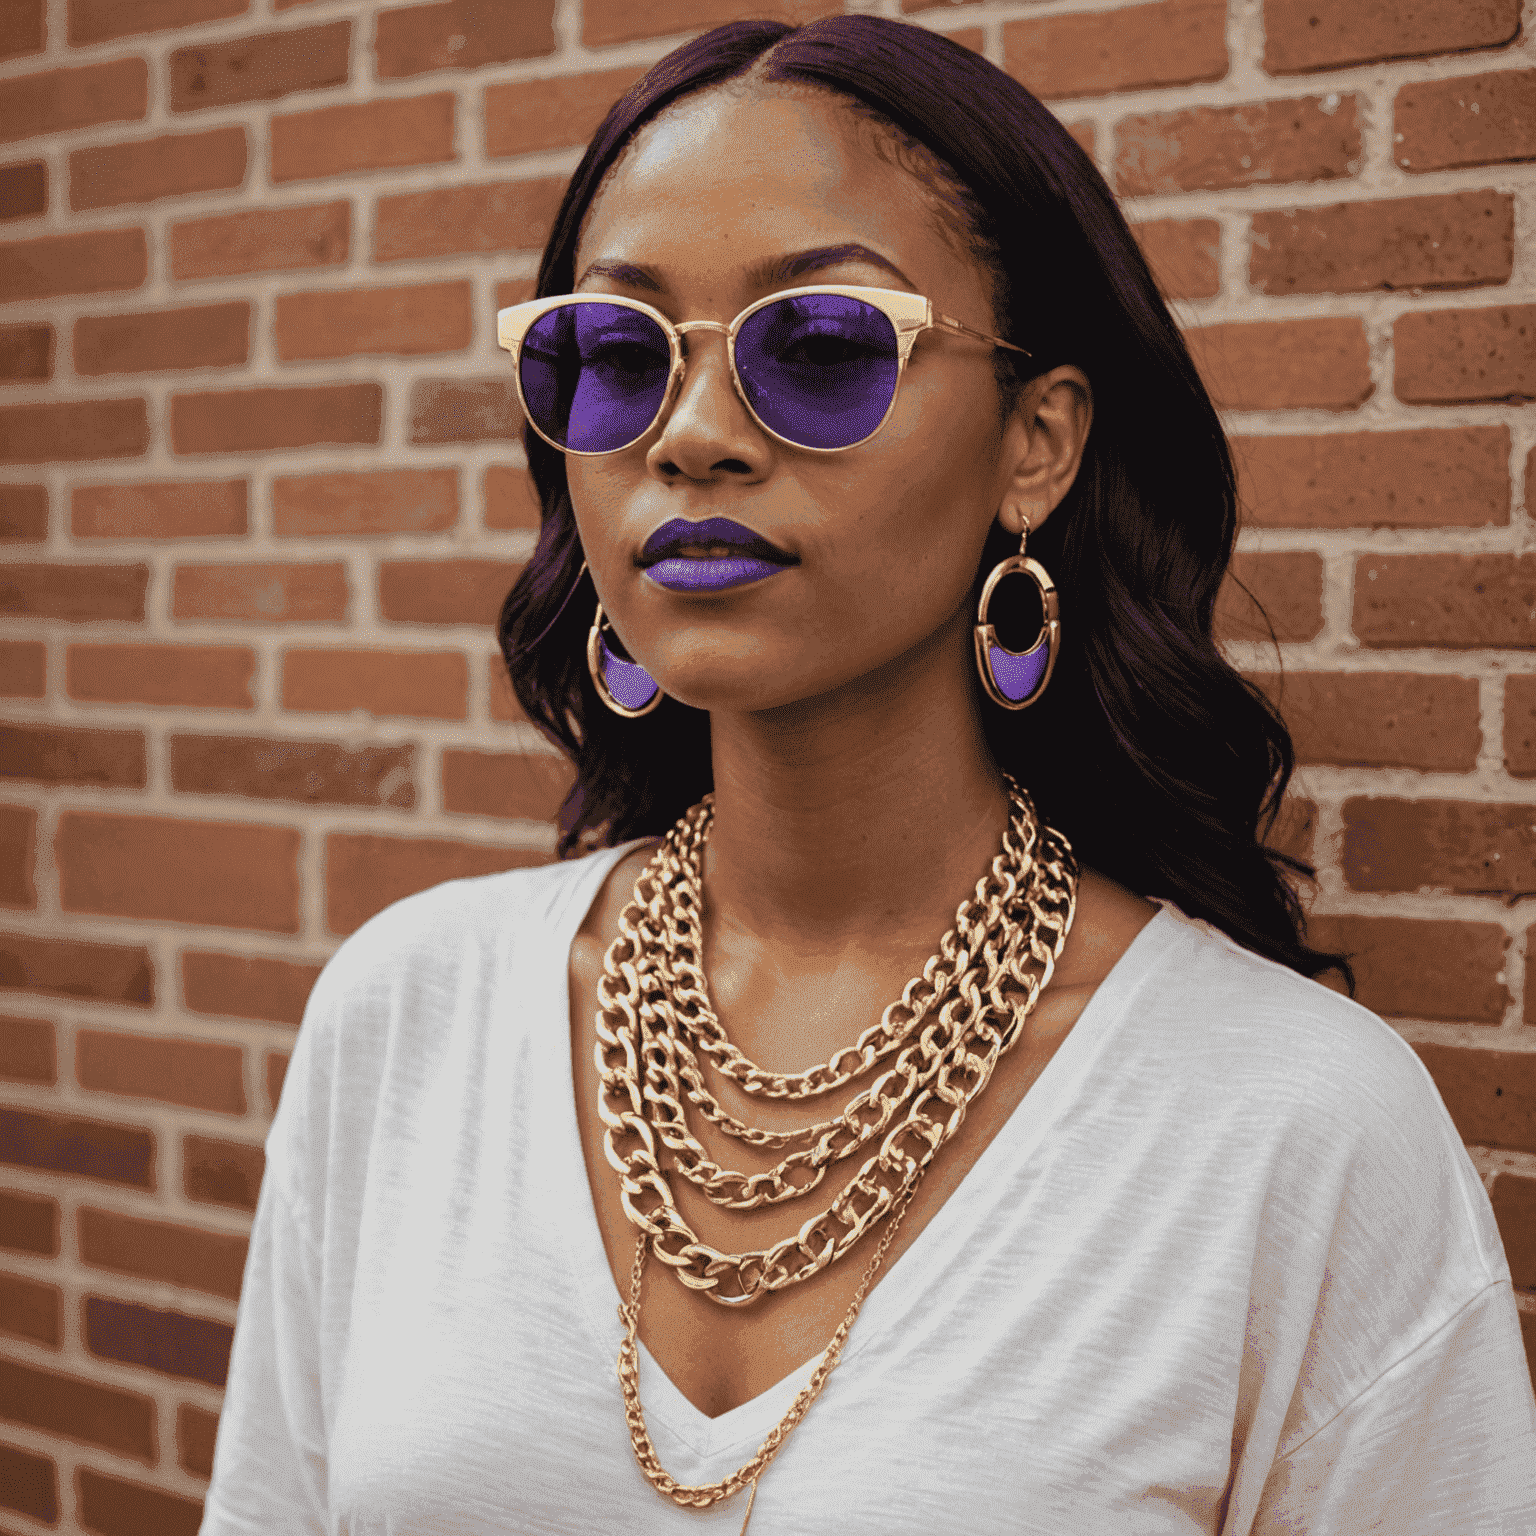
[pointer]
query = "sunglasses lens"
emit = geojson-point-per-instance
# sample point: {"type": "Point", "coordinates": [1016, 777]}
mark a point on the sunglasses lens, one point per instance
{"type": "Point", "coordinates": [819, 369]}
{"type": "Point", "coordinates": [594, 375]}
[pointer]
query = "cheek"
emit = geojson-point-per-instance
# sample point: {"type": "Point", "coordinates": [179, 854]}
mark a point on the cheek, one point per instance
{"type": "Point", "coordinates": [930, 483]}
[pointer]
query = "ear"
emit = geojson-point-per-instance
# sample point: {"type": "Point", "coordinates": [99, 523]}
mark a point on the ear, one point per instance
{"type": "Point", "coordinates": [1043, 446]}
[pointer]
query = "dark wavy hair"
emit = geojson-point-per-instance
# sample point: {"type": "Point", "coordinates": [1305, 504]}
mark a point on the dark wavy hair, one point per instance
{"type": "Point", "coordinates": [1163, 766]}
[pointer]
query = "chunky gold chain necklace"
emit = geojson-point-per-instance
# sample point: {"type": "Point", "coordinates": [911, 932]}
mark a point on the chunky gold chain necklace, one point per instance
{"type": "Point", "coordinates": [977, 990]}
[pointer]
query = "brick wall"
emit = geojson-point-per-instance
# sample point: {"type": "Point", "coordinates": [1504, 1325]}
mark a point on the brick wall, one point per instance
{"type": "Point", "coordinates": [262, 490]}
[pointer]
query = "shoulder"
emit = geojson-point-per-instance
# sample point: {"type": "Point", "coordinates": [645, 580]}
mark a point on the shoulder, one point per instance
{"type": "Point", "coordinates": [1327, 1107]}
{"type": "Point", "coordinates": [427, 938]}
{"type": "Point", "coordinates": [1251, 1019]}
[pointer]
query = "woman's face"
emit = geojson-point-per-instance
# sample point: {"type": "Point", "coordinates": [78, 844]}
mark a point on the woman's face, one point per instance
{"type": "Point", "coordinates": [888, 534]}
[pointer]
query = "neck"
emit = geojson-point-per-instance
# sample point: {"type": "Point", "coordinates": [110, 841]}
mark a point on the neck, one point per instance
{"type": "Point", "coordinates": [859, 819]}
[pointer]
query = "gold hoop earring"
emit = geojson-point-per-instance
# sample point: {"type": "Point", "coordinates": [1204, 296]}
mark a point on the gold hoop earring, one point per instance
{"type": "Point", "coordinates": [1016, 679]}
{"type": "Point", "coordinates": [624, 686]}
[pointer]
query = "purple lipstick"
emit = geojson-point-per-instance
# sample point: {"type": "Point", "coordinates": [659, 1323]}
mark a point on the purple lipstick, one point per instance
{"type": "Point", "coordinates": [710, 556]}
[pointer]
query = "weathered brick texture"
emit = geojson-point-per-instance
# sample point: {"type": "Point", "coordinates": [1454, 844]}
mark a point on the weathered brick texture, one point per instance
{"type": "Point", "coordinates": [263, 493]}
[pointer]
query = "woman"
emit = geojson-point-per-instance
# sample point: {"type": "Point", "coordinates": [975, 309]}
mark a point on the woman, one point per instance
{"type": "Point", "coordinates": [921, 966]}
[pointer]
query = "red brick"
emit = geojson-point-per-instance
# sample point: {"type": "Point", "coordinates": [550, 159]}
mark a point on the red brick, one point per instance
{"type": "Point", "coordinates": [106, 973]}
{"type": "Point", "coordinates": [29, 1223]}
{"type": "Point", "coordinates": [514, 291]}
{"type": "Point", "coordinates": [23, 669]}
{"type": "Point", "coordinates": [277, 768]}
{"type": "Point", "coordinates": [57, 100]}
{"type": "Point", "coordinates": [1380, 719]}
{"type": "Point", "coordinates": [23, 27]}
{"type": "Point", "coordinates": [28, 1053]}
{"type": "Point", "coordinates": [1458, 602]}
{"type": "Point", "coordinates": [1471, 848]}
{"type": "Point", "coordinates": [170, 509]}
{"type": "Point", "coordinates": [259, 68]}
{"type": "Point", "coordinates": [425, 317]}
{"type": "Point", "coordinates": [59, 754]}
{"type": "Point", "coordinates": [110, 1503]}
{"type": "Point", "coordinates": [503, 701]}
{"type": "Point", "coordinates": [1289, 589]}
{"type": "Point", "coordinates": [256, 420]}
{"type": "Point", "coordinates": [522, 785]}
{"type": "Point", "coordinates": [267, 593]}
{"type": "Point", "coordinates": [1175, 42]}
{"type": "Point", "coordinates": [1514, 1207]}
{"type": "Point", "coordinates": [343, 504]}
{"type": "Point", "coordinates": [1491, 1094]}
{"type": "Point", "coordinates": [1417, 479]}
{"type": "Point", "coordinates": [511, 501]}
{"type": "Point", "coordinates": [246, 986]}
{"type": "Point", "coordinates": [23, 189]}
{"type": "Point", "coordinates": [99, 21]}
{"type": "Point", "coordinates": [1083, 131]}
{"type": "Point", "coordinates": [193, 676]}
{"type": "Point", "coordinates": [491, 216]}
{"type": "Point", "coordinates": [465, 411]}
{"type": "Point", "coordinates": [1461, 240]}
{"type": "Point", "coordinates": [1184, 254]}
{"type": "Point", "coordinates": [1520, 732]}
{"type": "Point", "coordinates": [1467, 120]}
{"type": "Point", "coordinates": [76, 592]}
{"type": "Point", "coordinates": [265, 240]}
{"type": "Point", "coordinates": [153, 341]}
{"type": "Point", "coordinates": [29, 1310]}
{"type": "Point", "coordinates": [522, 116]}
{"type": "Point", "coordinates": [179, 871]}
{"type": "Point", "coordinates": [26, 352]}
{"type": "Point", "coordinates": [430, 685]}
{"type": "Point", "coordinates": [617, 21]}
{"type": "Point", "coordinates": [103, 261]}
{"type": "Point", "coordinates": [1303, 35]}
{"type": "Point", "coordinates": [1450, 356]}
{"type": "Point", "coordinates": [1280, 365]}
{"type": "Point", "coordinates": [196, 1260]}
{"type": "Point", "coordinates": [365, 874]}
{"type": "Point", "coordinates": [276, 1071]}
{"type": "Point", "coordinates": [18, 854]}
{"type": "Point", "coordinates": [73, 430]}
{"type": "Point", "coordinates": [221, 1172]}
{"type": "Point", "coordinates": [150, 169]}
{"type": "Point", "coordinates": [76, 1408]}
{"type": "Point", "coordinates": [460, 34]}
{"type": "Point", "coordinates": [196, 1436]}
{"type": "Point", "coordinates": [363, 136]}
{"type": "Point", "coordinates": [445, 591]}
{"type": "Point", "coordinates": [23, 513]}
{"type": "Point", "coordinates": [1308, 138]}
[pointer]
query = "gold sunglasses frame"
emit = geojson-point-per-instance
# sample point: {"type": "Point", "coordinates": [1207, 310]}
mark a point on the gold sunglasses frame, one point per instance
{"type": "Point", "coordinates": [910, 315]}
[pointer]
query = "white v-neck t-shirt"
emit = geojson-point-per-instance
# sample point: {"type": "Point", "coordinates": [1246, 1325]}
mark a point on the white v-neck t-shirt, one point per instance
{"type": "Point", "coordinates": [1226, 1268]}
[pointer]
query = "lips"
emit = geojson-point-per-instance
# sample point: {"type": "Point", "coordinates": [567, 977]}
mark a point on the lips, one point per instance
{"type": "Point", "coordinates": [678, 534]}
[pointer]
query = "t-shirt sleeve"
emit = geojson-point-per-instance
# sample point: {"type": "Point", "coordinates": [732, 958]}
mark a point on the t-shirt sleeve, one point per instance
{"type": "Point", "coordinates": [1442, 1444]}
{"type": "Point", "coordinates": [269, 1469]}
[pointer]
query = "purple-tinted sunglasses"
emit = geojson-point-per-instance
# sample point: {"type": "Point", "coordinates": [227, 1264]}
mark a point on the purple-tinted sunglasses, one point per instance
{"type": "Point", "coordinates": [817, 367]}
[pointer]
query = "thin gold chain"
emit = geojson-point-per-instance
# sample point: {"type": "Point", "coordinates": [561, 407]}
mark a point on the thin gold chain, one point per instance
{"type": "Point", "coordinates": [700, 1495]}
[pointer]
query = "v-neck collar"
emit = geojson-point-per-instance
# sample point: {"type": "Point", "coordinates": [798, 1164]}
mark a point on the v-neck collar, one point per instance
{"type": "Point", "coordinates": [892, 1296]}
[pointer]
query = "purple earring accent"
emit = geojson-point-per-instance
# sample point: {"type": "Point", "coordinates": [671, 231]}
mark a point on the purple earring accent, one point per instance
{"type": "Point", "coordinates": [624, 686]}
{"type": "Point", "coordinates": [1015, 679]}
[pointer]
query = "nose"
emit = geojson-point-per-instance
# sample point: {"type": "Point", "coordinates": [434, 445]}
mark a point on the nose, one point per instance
{"type": "Point", "coordinates": [708, 431]}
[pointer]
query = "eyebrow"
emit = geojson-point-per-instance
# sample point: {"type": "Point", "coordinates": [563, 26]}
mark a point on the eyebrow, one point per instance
{"type": "Point", "coordinates": [777, 269]}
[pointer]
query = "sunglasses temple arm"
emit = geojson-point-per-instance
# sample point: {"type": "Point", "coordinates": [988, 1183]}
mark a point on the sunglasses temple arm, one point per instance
{"type": "Point", "coordinates": [956, 325]}
{"type": "Point", "coordinates": [523, 650]}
